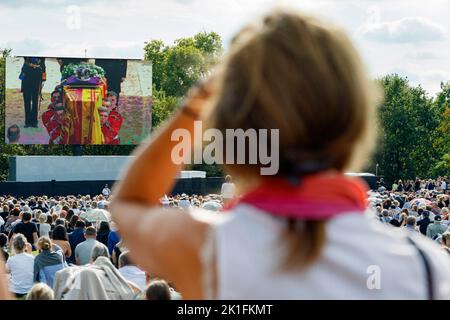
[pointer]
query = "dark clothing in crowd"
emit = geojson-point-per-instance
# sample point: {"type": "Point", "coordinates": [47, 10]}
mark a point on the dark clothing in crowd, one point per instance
{"type": "Point", "coordinates": [103, 238]}
{"type": "Point", "coordinates": [75, 238]}
{"type": "Point", "coordinates": [113, 239]}
{"type": "Point", "coordinates": [423, 225]}
{"type": "Point", "coordinates": [417, 185]}
{"type": "Point", "coordinates": [27, 229]}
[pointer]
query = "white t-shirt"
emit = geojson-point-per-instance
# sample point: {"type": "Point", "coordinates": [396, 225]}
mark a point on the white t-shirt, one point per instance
{"type": "Point", "coordinates": [21, 266]}
{"type": "Point", "coordinates": [362, 259]}
{"type": "Point", "coordinates": [106, 192]}
{"type": "Point", "coordinates": [135, 275]}
{"type": "Point", "coordinates": [228, 190]}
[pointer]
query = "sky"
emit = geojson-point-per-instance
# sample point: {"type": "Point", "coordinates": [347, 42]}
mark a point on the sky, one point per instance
{"type": "Point", "coordinates": [408, 37]}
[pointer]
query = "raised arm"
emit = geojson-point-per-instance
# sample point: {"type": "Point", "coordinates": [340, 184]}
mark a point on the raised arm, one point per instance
{"type": "Point", "coordinates": [167, 242]}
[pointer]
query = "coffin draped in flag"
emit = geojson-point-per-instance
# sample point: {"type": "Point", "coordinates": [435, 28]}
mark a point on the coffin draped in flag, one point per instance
{"type": "Point", "coordinates": [82, 103]}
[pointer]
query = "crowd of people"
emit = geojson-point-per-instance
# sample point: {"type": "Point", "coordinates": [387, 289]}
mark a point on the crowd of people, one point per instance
{"type": "Point", "coordinates": [419, 206]}
{"type": "Point", "coordinates": [50, 245]}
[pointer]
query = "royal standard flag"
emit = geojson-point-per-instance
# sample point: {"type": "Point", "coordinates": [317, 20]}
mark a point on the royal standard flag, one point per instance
{"type": "Point", "coordinates": [82, 105]}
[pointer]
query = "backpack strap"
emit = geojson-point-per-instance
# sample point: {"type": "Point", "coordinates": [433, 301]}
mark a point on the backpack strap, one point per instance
{"type": "Point", "coordinates": [427, 266]}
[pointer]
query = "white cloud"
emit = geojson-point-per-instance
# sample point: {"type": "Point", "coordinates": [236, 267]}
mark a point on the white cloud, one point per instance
{"type": "Point", "coordinates": [421, 55]}
{"type": "Point", "coordinates": [405, 30]}
{"type": "Point", "coordinates": [388, 33]}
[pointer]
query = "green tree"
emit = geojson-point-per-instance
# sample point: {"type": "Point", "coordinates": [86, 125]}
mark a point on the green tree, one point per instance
{"type": "Point", "coordinates": [179, 66]}
{"type": "Point", "coordinates": [442, 141]}
{"type": "Point", "coordinates": [163, 107]}
{"type": "Point", "coordinates": [155, 51]}
{"type": "Point", "coordinates": [408, 120]}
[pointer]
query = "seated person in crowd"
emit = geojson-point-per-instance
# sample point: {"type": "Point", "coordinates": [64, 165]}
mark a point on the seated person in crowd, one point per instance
{"type": "Point", "coordinates": [83, 250]}
{"type": "Point", "coordinates": [131, 272]}
{"type": "Point", "coordinates": [48, 261]}
{"type": "Point", "coordinates": [20, 266]}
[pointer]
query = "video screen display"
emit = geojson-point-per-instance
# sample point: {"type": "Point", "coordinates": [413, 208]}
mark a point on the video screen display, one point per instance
{"type": "Point", "coordinates": [77, 101]}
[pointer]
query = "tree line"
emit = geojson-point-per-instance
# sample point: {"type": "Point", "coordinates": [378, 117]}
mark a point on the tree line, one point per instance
{"type": "Point", "coordinates": [414, 127]}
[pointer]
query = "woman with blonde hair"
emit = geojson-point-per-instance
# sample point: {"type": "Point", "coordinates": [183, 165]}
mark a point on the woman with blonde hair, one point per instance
{"type": "Point", "coordinates": [47, 262]}
{"type": "Point", "coordinates": [40, 291]}
{"type": "Point", "coordinates": [299, 234]}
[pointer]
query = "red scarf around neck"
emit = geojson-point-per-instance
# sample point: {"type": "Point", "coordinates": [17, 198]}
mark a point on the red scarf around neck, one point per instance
{"type": "Point", "coordinates": [317, 196]}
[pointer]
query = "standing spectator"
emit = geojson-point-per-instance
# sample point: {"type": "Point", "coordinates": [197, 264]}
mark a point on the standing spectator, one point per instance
{"type": "Point", "coordinates": [84, 249]}
{"type": "Point", "coordinates": [27, 228]}
{"type": "Point", "coordinates": [436, 228]}
{"type": "Point", "coordinates": [228, 189]}
{"type": "Point", "coordinates": [20, 265]}
{"type": "Point", "coordinates": [47, 262]}
{"type": "Point", "coordinates": [106, 191]}
{"type": "Point", "coordinates": [76, 237]}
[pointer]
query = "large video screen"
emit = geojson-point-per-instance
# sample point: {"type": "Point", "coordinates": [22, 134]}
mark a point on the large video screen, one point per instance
{"type": "Point", "coordinates": [77, 101]}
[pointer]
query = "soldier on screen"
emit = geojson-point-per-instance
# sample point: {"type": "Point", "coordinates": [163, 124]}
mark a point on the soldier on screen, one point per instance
{"type": "Point", "coordinates": [33, 76]}
{"type": "Point", "coordinates": [108, 132]}
{"type": "Point", "coordinates": [55, 122]}
{"type": "Point", "coordinates": [115, 119]}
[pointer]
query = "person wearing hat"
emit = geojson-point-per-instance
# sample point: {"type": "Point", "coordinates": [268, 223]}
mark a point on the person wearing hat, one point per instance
{"type": "Point", "coordinates": [436, 228]}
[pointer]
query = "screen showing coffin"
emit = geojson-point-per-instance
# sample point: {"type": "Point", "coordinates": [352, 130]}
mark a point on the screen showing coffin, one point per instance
{"type": "Point", "coordinates": [77, 101]}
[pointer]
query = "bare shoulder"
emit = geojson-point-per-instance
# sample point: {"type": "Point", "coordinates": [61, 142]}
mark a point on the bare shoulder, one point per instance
{"type": "Point", "coordinates": [166, 242]}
